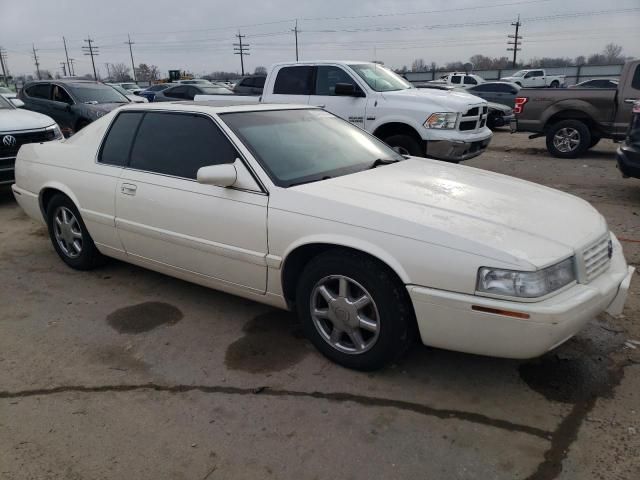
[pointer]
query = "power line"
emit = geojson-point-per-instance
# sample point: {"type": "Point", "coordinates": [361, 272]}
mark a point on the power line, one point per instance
{"type": "Point", "coordinates": [133, 65]}
{"type": "Point", "coordinates": [36, 60]}
{"type": "Point", "coordinates": [5, 70]}
{"type": "Point", "coordinates": [242, 50]}
{"type": "Point", "coordinates": [64, 68]}
{"type": "Point", "coordinates": [91, 50]}
{"type": "Point", "coordinates": [516, 41]}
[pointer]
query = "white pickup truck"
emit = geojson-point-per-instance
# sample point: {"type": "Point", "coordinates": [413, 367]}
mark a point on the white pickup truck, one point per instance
{"type": "Point", "coordinates": [535, 79]}
{"type": "Point", "coordinates": [462, 80]}
{"type": "Point", "coordinates": [438, 124]}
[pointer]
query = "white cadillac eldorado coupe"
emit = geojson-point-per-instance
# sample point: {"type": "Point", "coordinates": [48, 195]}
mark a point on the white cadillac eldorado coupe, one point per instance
{"type": "Point", "coordinates": [296, 208]}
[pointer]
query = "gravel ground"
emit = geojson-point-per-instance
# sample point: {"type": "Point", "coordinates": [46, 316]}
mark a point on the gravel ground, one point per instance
{"type": "Point", "coordinates": [125, 373]}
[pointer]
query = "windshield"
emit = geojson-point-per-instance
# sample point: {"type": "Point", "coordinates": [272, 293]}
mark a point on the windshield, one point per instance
{"type": "Point", "coordinates": [96, 93]}
{"type": "Point", "coordinates": [121, 90]}
{"type": "Point", "coordinates": [380, 78]}
{"type": "Point", "coordinates": [521, 73]}
{"type": "Point", "coordinates": [293, 145]}
{"type": "Point", "coordinates": [5, 104]}
{"type": "Point", "coordinates": [216, 90]}
{"type": "Point", "coordinates": [129, 86]}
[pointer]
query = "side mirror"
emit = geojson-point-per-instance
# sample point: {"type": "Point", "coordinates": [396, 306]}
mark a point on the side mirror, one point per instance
{"type": "Point", "coordinates": [223, 175]}
{"type": "Point", "coordinates": [17, 102]}
{"type": "Point", "coordinates": [345, 90]}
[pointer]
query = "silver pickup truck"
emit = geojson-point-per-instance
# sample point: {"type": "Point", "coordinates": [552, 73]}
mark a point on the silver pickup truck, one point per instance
{"type": "Point", "coordinates": [574, 120]}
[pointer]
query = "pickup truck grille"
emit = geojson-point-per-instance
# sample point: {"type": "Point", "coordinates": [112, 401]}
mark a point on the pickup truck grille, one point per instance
{"type": "Point", "coordinates": [596, 258]}
{"type": "Point", "coordinates": [474, 119]}
{"type": "Point", "coordinates": [9, 152]}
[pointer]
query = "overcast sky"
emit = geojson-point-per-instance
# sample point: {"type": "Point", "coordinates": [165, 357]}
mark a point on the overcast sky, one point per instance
{"type": "Point", "coordinates": [197, 35]}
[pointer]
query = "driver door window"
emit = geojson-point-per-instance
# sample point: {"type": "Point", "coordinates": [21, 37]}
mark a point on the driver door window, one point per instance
{"type": "Point", "coordinates": [327, 77]}
{"type": "Point", "coordinates": [350, 108]}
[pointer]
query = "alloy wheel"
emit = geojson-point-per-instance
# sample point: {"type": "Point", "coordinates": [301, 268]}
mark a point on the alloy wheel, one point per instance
{"type": "Point", "coordinates": [67, 232]}
{"type": "Point", "coordinates": [567, 140]}
{"type": "Point", "coordinates": [345, 314]}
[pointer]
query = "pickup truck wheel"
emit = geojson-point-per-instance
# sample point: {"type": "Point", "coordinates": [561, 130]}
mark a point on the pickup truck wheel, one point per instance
{"type": "Point", "coordinates": [69, 235]}
{"type": "Point", "coordinates": [354, 310]}
{"type": "Point", "coordinates": [405, 145]}
{"type": "Point", "coordinates": [568, 139]}
{"type": "Point", "coordinates": [555, 84]}
{"type": "Point", "coordinates": [594, 141]}
{"type": "Point", "coordinates": [519, 84]}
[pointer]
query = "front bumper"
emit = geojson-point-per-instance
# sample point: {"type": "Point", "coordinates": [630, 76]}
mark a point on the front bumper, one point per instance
{"type": "Point", "coordinates": [456, 150]}
{"type": "Point", "coordinates": [7, 170]}
{"type": "Point", "coordinates": [628, 157]}
{"type": "Point", "coordinates": [447, 320]}
{"type": "Point", "coordinates": [503, 120]}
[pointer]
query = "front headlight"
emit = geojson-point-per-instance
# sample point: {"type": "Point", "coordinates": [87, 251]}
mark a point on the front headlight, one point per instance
{"type": "Point", "coordinates": [512, 283]}
{"type": "Point", "coordinates": [444, 120]}
{"type": "Point", "coordinates": [53, 132]}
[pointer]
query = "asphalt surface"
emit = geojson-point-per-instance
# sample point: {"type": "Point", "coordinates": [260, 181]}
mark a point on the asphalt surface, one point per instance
{"type": "Point", "coordinates": [122, 373]}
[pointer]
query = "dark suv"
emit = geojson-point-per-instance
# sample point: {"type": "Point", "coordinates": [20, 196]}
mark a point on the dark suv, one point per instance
{"type": "Point", "coordinates": [73, 104]}
{"type": "Point", "coordinates": [629, 152]}
{"type": "Point", "coordinates": [253, 85]}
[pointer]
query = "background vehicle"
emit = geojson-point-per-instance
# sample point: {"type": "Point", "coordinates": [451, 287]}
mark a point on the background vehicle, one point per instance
{"type": "Point", "coordinates": [150, 92]}
{"type": "Point", "coordinates": [536, 78]}
{"type": "Point", "coordinates": [457, 79]}
{"type": "Point", "coordinates": [629, 153]}
{"type": "Point", "coordinates": [498, 92]}
{"type": "Point", "coordinates": [437, 124]}
{"type": "Point", "coordinates": [189, 91]}
{"type": "Point", "coordinates": [597, 83]}
{"type": "Point", "coordinates": [8, 93]}
{"type": "Point", "coordinates": [19, 127]}
{"type": "Point", "coordinates": [367, 246]}
{"type": "Point", "coordinates": [253, 85]}
{"type": "Point", "coordinates": [129, 94]}
{"type": "Point", "coordinates": [73, 104]}
{"type": "Point", "coordinates": [194, 81]}
{"type": "Point", "coordinates": [574, 120]}
{"type": "Point", "coordinates": [129, 86]}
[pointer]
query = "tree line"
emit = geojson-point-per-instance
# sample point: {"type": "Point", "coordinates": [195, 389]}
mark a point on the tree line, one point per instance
{"type": "Point", "coordinates": [610, 55]}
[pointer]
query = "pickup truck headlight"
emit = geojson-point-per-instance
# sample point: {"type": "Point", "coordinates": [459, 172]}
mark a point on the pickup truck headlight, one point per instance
{"type": "Point", "coordinates": [443, 120]}
{"type": "Point", "coordinates": [511, 283]}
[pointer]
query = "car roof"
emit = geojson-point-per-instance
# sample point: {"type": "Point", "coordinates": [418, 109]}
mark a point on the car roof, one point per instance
{"type": "Point", "coordinates": [65, 81]}
{"type": "Point", "coordinates": [217, 107]}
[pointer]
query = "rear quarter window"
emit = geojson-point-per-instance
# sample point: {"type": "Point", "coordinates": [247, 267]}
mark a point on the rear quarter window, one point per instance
{"type": "Point", "coordinates": [40, 90]}
{"type": "Point", "coordinates": [293, 81]}
{"type": "Point", "coordinates": [117, 144]}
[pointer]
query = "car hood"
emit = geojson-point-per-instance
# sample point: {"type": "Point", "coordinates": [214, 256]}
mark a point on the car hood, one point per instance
{"type": "Point", "coordinates": [445, 100]}
{"type": "Point", "coordinates": [17, 119]}
{"type": "Point", "coordinates": [458, 207]}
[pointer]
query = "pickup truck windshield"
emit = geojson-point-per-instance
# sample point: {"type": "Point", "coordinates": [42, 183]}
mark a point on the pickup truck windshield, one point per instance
{"type": "Point", "coordinates": [380, 78]}
{"type": "Point", "coordinates": [96, 93]}
{"type": "Point", "coordinates": [303, 146]}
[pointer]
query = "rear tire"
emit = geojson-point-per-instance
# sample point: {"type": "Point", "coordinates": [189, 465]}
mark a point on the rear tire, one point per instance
{"type": "Point", "coordinates": [568, 139]}
{"type": "Point", "coordinates": [406, 145]}
{"type": "Point", "coordinates": [555, 84]}
{"type": "Point", "coordinates": [330, 290]}
{"type": "Point", "coordinates": [69, 235]}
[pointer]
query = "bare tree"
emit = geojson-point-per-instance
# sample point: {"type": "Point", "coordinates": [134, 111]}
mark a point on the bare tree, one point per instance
{"type": "Point", "coordinates": [613, 53]}
{"type": "Point", "coordinates": [418, 65]}
{"type": "Point", "coordinates": [580, 60]}
{"type": "Point", "coordinates": [120, 72]}
{"type": "Point", "coordinates": [260, 71]}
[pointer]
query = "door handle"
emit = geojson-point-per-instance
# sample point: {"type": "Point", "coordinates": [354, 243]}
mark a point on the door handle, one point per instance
{"type": "Point", "coordinates": [631, 100]}
{"type": "Point", "coordinates": [128, 188]}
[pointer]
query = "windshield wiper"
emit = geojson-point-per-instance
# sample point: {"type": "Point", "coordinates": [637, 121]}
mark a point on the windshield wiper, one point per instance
{"type": "Point", "coordinates": [383, 161]}
{"type": "Point", "coordinates": [327, 177]}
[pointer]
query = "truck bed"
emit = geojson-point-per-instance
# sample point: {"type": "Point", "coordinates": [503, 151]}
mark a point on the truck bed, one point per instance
{"type": "Point", "coordinates": [543, 104]}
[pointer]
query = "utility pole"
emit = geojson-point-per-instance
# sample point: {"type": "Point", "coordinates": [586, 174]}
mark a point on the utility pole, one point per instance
{"type": "Point", "coordinates": [36, 60]}
{"type": "Point", "coordinates": [295, 31]}
{"type": "Point", "coordinates": [66, 53]}
{"type": "Point", "coordinates": [5, 70]}
{"type": "Point", "coordinates": [241, 49]}
{"type": "Point", "coordinates": [91, 50]}
{"type": "Point", "coordinates": [64, 69]}
{"type": "Point", "coordinates": [108, 71]}
{"type": "Point", "coordinates": [72, 67]}
{"type": "Point", "coordinates": [516, 41]}
{"type": "Point", "coordinates": [133, 65]}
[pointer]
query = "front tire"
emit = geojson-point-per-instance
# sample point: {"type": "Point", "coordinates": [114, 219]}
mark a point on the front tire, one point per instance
{"type": "Point", "coordinates": [568, 139]}
{"type": "Point", "coordinates": [405, 145]}
{"type": "Point", "coordinates": [354, 310]}
{"type": "Point", "coordinates": [69, 235]}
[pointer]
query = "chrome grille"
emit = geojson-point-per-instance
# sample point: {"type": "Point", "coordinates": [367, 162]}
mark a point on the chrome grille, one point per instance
{"type": "Point", "coordinates": [596, 258]}
{"type": "Point", "coordinates": [474, 119]}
